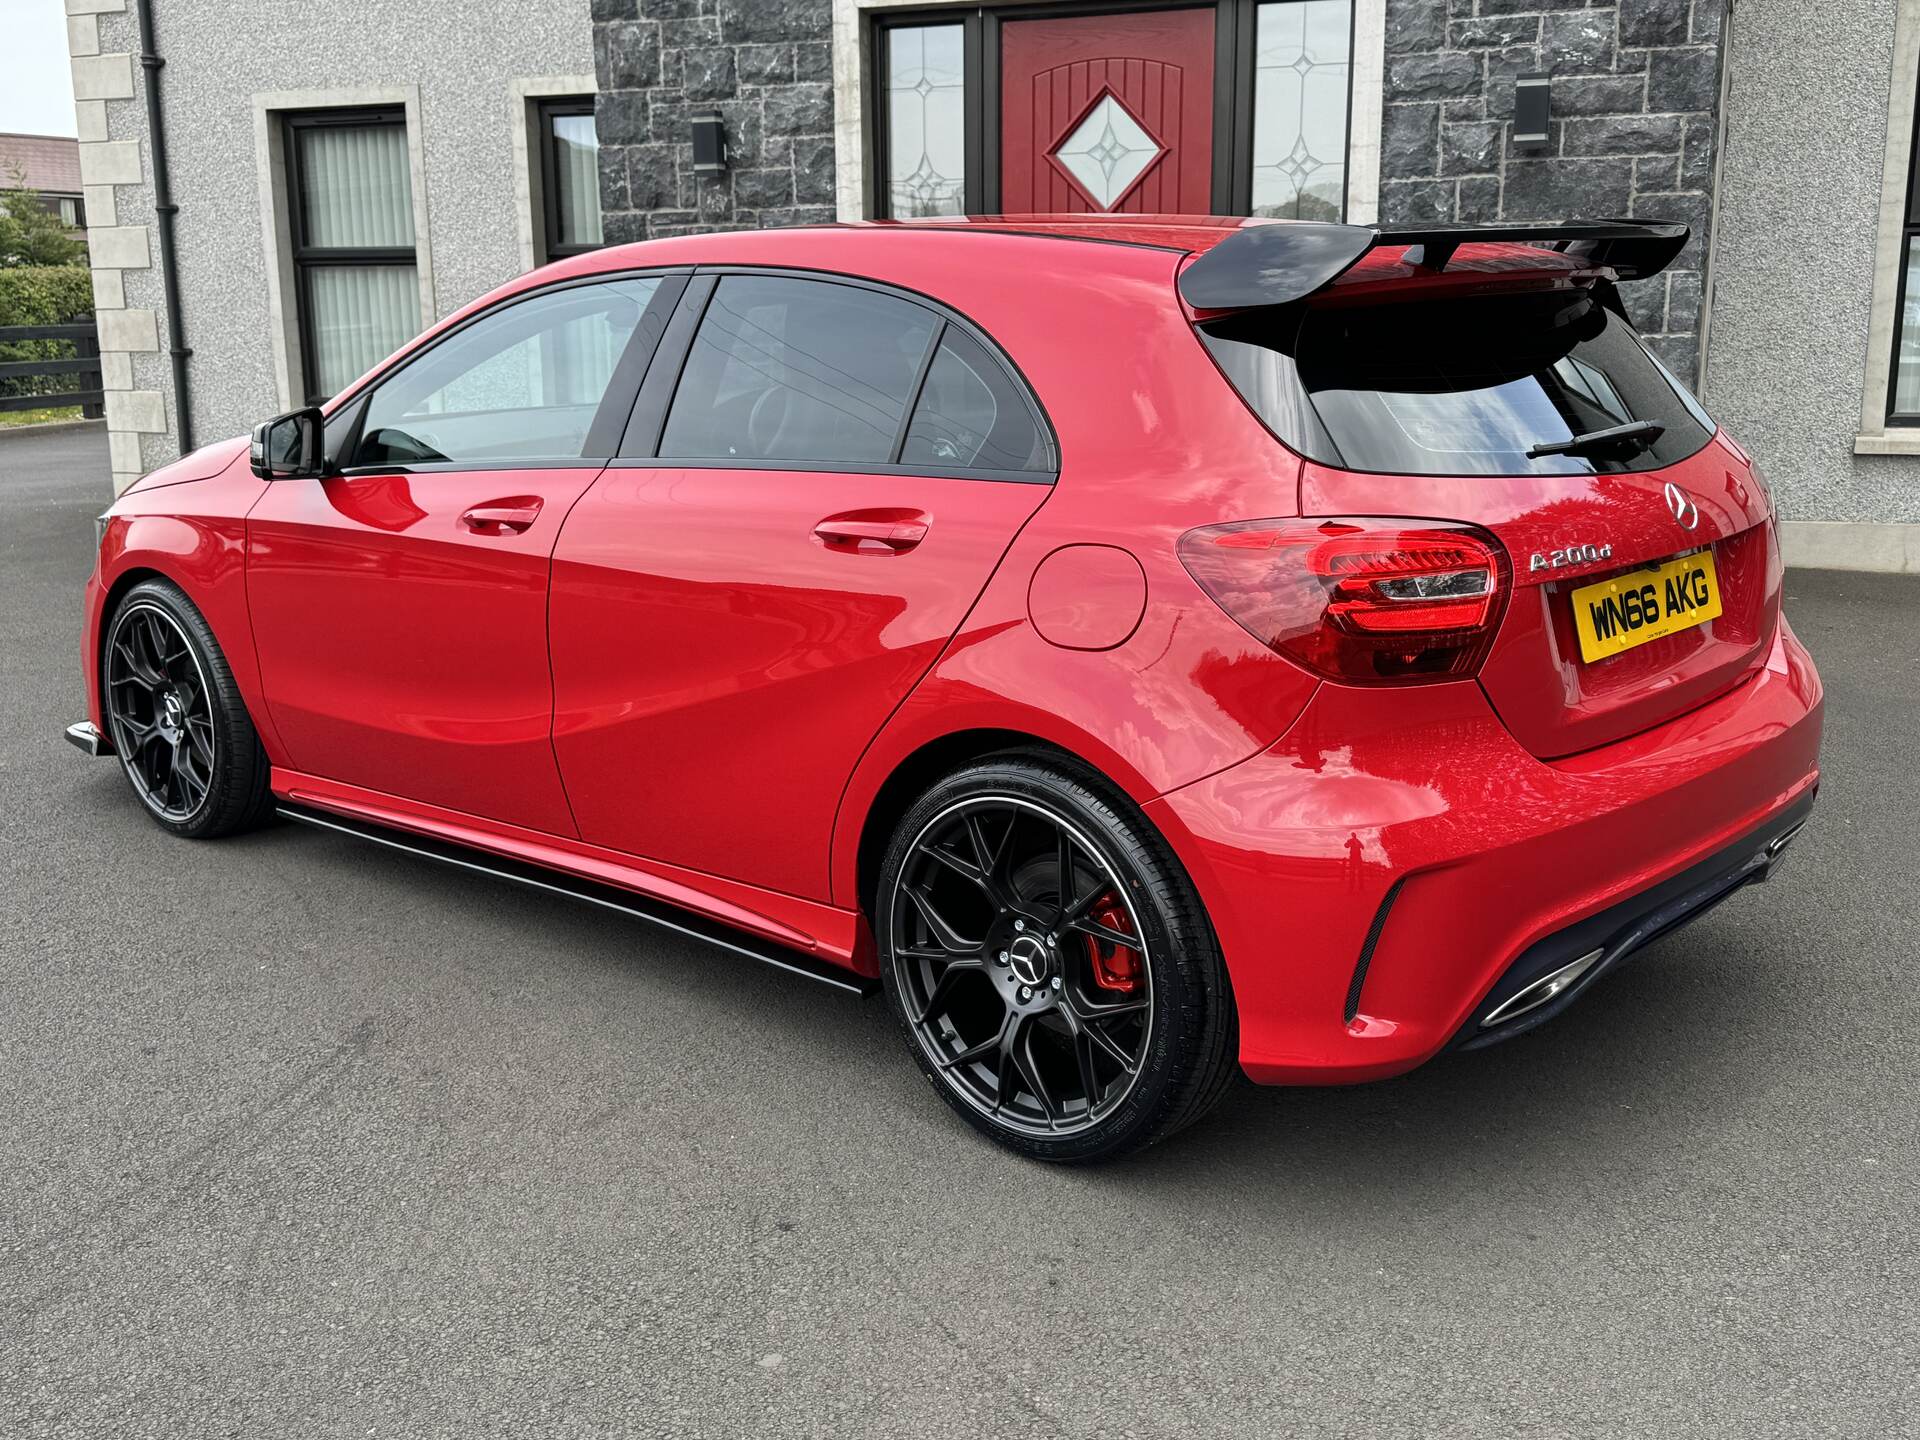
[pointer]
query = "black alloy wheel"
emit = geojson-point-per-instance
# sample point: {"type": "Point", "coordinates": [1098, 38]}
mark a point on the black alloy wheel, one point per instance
{"type": "Point", "coordinates": [176, 719]}
{"type": "Point", "coordinates": [157, 712]}
{"type": "Point", "coordinates": [1050, 964]}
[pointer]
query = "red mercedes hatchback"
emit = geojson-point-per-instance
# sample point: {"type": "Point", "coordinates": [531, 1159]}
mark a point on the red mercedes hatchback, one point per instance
{"type": "Point", "coordinates": [1146, 647]}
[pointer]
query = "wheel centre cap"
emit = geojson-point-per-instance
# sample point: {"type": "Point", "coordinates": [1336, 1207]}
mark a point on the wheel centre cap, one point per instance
{"type": "Point", "coordinates": [1029, 959]}
{"type": "Point", "coordinates": [172, 712]}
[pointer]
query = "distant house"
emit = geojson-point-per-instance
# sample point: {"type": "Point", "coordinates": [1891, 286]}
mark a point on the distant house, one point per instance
{"type": "Point", "coordinates": [51, 165]}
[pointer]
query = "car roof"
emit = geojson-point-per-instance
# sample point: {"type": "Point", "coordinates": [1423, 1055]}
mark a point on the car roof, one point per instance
{"type": "Point", "coordinates": [1189, 235]}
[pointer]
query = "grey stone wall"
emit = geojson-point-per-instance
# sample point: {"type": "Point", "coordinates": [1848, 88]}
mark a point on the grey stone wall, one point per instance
{"type": "Point", "coordinates": [1635, 89]}
{"type": "Point", "coordinates": [765, 65]}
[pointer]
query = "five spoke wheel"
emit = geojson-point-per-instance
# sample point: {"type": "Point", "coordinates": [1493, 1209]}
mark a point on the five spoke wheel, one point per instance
{"type": "Point", "coordinates": [1021, 965]}
{"type": "Point", "coordinates": [159, 712]}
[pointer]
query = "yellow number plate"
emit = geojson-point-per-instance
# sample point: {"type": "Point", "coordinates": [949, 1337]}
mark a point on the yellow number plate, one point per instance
{"type": "Point", "coordinates": [1630, 610]}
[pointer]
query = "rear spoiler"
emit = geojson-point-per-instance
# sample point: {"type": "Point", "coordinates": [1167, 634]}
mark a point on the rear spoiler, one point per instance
{"type": "Point", "coordinates": [1266, 265]}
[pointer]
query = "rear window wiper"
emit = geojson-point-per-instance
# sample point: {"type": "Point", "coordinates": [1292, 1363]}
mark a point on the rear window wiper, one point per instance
{"type": "Point", "coordinates": [1637, 433]}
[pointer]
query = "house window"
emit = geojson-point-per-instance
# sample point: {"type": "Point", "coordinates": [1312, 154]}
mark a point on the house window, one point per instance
{"type": "Point", "coordinates": [925, 89]}
{"type": "Point", "coordinates": [570, 180]}
{"type": "Point", "coordinates": [1303, 53]}
{"type": "Point", "coordinates": [1903, 401]}
{"type": "Point", "coordinates": [70, 212]}
{"type": "Point", "coordinates": [356, 274]}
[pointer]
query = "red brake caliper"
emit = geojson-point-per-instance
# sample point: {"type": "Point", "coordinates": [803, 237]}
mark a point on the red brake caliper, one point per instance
{"type": "Point", "coordinates": [1115, 967]}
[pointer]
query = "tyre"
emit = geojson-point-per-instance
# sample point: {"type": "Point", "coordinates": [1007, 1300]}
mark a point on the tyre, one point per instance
{"type": "Point", "coordinates": [176, 718]}
{"type": "Point", "coordinates": [1051, 963]}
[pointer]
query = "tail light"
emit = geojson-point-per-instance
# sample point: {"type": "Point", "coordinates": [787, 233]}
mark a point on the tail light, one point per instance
{"type": "Point", "coordinates": [1364, 602]}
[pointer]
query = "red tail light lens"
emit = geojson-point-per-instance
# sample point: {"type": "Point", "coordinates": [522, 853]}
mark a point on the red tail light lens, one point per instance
{"type": "Point", "coordinates": [1365, 602]}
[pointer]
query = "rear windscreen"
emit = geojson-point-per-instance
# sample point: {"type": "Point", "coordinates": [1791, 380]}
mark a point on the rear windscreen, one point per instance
{"type": "Point", "coordinates": [1459, 387]}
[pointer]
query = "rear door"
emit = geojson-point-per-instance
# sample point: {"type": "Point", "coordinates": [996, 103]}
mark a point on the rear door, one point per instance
{"type": "Point", "coordinates": [1431, 408]}
{"type": "Point", "coordinates": [802, 516]}
{"type": "Point", "coordinates": [400, 606]}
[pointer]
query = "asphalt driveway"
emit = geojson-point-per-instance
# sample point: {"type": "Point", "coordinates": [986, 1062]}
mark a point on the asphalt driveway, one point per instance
{"type": "Point", "coordinates": [298, 1137]}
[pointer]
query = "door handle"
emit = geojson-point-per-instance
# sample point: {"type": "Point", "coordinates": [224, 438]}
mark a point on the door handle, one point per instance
{"type": "Point", "coordinates": [870, 535]}
{"type": "Point", "coordinates": [503, 517]}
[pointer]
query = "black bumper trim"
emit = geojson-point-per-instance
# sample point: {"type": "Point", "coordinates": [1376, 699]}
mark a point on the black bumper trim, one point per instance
{"type": "Point", "coordinates": [1631, 925]}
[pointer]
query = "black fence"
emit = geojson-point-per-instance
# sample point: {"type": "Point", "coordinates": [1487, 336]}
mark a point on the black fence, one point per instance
{"type": "Point", "coordinates": [40, 382]}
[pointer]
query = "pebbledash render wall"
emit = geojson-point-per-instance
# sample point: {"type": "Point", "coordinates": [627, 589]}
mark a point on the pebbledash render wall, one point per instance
{"type": "Point", "coordinates": [463, 74]}
{"type": "Point", "coordinates": [1813, 187]}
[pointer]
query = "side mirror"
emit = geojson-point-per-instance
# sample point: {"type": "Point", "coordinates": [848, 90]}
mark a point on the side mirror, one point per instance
{"type": "Point", "coordinates": [291, 446]}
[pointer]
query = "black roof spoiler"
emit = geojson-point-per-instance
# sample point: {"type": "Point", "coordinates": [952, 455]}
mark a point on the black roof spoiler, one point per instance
{"type": "Point", "coordinates": [1277, 264]}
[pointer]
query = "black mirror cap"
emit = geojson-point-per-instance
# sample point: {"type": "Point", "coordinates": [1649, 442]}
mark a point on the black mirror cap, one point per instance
{"type": "Point", "coordinates": [290, 446]}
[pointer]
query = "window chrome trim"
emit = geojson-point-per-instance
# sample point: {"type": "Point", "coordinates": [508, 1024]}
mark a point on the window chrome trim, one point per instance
{"type": "Point", "coordinates": [832, 467]}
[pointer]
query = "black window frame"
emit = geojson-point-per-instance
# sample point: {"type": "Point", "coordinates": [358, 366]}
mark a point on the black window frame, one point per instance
{"type": "Point", "coordinates": [640, 444]}
{"type": "Point", "coordinates": [545, 112]}
{"type": "Point", "coordinates": [1235, 39]}
{"type": "Point", "coordinates": [1909, 232]}
{"type": "Point", "coordinates": [307, 257]}
{"type": "Point", "coordinates": [345, 420]}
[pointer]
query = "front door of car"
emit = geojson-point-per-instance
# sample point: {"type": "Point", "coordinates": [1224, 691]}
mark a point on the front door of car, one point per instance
{"type": "Point", "coordinates": [400, 606]}
{"type": "Point", "coordinates": [785, 547]}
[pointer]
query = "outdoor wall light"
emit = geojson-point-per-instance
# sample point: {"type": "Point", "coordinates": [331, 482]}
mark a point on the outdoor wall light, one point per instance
{"type": "Point", "coordinates": [1532, 108]}
{"type": "Point", "coordinates": [709, 144]}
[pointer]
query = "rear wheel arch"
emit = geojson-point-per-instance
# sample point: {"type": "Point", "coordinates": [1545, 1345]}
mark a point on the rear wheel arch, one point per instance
{"type": "Point", "coordinates": [911, 778]}
{"type": "Point", "coordinates": [923, 768]}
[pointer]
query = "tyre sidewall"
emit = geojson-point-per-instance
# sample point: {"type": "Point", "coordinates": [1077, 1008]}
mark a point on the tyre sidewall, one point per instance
{"type": "Point", "coordinates": [236, 796]}
{"type": "Point", "coordinates": [1177, 957]}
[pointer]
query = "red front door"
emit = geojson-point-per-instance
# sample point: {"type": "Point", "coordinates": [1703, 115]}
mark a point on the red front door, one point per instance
{"type": "Point", "coordinates": [1108, 113]}
{"type": "Point", "coordinates": [402, 633]}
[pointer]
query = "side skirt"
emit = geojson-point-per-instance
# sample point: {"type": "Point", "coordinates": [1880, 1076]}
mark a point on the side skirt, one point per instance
{"type": "Point", "coordinates": [575, 887]}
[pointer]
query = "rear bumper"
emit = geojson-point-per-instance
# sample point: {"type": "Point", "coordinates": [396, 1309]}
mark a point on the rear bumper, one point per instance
{"type": "Point", "coordinates": [1398, 867]}
{"type": "Point", "coordinates": [1553, 973]}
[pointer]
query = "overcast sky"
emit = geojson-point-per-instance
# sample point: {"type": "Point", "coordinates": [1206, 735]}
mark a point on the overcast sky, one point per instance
{"type": "Point", "coordinates": [36, 88]}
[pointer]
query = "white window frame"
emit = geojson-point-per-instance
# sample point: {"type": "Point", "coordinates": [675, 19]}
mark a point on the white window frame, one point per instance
{"type": "Point", "coordinates": [1876, 437]}
{"type": "Point", "coordinates": [277, 213]}
{"type": "Point", "coordinates": [524, 95]}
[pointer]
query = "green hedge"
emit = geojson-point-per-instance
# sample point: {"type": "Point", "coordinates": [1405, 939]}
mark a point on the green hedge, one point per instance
{"type": "Point", "coordinates": [43, 295]}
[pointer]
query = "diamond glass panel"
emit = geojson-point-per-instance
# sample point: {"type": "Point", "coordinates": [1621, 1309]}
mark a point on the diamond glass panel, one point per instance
{"type": "Point", "coordinates": [1302, 54]}
{"type": "Point", "coordinates": [1107, 152]}
{"type": "Point", "coordinates": [926, 121]}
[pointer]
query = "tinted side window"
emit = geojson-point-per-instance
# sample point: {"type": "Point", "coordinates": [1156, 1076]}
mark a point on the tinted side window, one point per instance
{"type": "Point", "coordinates": [520, 384]}
{"type": "Point", "coordinates": [799, 371]}
{"type": "Point", "coordinates": [971, 415]}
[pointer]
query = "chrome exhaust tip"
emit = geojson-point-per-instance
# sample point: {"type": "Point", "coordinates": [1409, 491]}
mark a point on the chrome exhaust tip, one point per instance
{"type": "Point", "coordinates": [1781, 841]}
{"type": "Point", "coordinates": [1541, 990]}
{"type": "Point", "coordinates": [83, 735]}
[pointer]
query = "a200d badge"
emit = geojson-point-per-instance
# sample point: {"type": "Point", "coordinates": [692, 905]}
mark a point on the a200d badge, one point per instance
{"type": "Point", "coordinates": [1572, 555]}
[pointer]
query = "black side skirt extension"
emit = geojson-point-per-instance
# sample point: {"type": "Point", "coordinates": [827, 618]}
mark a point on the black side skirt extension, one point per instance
{"type": "Point", "coordinates": [610, 897]}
